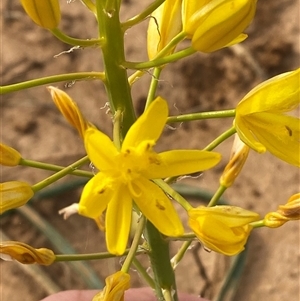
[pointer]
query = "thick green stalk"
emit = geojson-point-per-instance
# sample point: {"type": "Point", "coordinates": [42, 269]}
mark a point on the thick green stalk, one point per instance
{"type": "Point", "coordinates": [117, 86]}
{"type": "Point", "coordinates": [160, 260]}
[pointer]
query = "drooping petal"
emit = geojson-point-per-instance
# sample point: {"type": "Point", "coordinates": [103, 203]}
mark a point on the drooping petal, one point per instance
{"type": "Point", "coordinates": [118, 221]}
{"type": "Point", "coordinates": [280, 135]}
{"type": "Point", "coordinates": [95, 196]}
{"type": "Point", "coordinates": [278, 94]}
{"type": "Point", "coordinates": [157, 207]}
{"type": "Point", "coordinates": [100, 149]}
{"type": "Point", "coordinates": [181, 162]}
{"type": "Point", "coordinates": [149, 125]}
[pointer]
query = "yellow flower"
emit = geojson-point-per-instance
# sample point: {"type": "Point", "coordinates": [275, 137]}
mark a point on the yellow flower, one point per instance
{"type": "Point", "coordinates": [14, 194]}
{"type": "Point", "coordinates": [223, 229]}
{"type": "Point", "coordinates": [164, 25]}
{"type": "Point", "coordinates": [261, 121]}
{"type": "Point", "coordinates": [238, 157]}
{"type": "Point", "coordinates": [125, 175]}
{"type": "Point", "coordinates": [288, 212]}
{"type": "Point", "coordinates": [214, 24]}
{"type": "Point", "coordinates": [116, 285]}
{"type": "Point", "coordinates": [9, 156]}
{"type": "Point", "coordinates": [69, 110]}
{"type": "Point", "coordinates": [45, 13]}
{"type": "Point", "coordinates": [14, 250]}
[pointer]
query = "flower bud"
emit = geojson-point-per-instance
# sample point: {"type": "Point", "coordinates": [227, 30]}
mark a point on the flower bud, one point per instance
{"type": "Point", "coordinates": [223, 229]}
{"type": "Point", "coordinates": [238, 157]}
{"type": "Point", "coordinates": [69, 110]}
{"type": "Point", "coordinates": [116, 285]}
{"type": "Point", "coordinates": [9, 156]}
{"type": "Point", "coordinates": [164, 24]}
{"type": "Point", "coordinates": [45, 13]}
{"type": "Point", "coordinates": [14, 194]}
{"type": "Point", "coordinates": [14, 250]}
{"type": "Point", "coordinates": [288, 212]}
{"type": "Point", "coordinates": [217, 23]}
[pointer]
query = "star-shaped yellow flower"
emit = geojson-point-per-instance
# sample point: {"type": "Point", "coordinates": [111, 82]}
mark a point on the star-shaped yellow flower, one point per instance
{"type": "Point", "coordinates": [261, 120]}
{"type": "Point", "coordinates": [125, 176]}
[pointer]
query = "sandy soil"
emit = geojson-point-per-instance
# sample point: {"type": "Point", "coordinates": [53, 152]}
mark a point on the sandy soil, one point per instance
{"type": "Point", "coordinates": [31, 124]}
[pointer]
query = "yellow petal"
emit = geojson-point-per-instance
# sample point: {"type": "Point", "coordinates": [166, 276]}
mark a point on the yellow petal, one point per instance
{"type": "Point", "coordinates": [45, 13]}
{"type": "Point", "coordinates": [164, 24]}
{"type": "Point", "coordinates": [14, 194]}
{"type": "Point", "coordinates": [95, 196]}
{"type": "Point", "coordinates": [9, 156]}
{"type": "Point", "coordinates": [100, 149]}
{"type": "Point", "coordinates": [157, 207]}
{"type": "Point", "coordinates": [149, 125]}
{"type": "Point", "coordinates": [246, 135]}
{"type": "Point", "coordinates": [118, 221]}
{"type": "Point", "coordinates": [219, 23]}
{"type": "Point", "coordinates": [278, 94]}
{"type": "Point", "coordinates": [280, 135]}
{"type": "Point", "coordinates": [181, 162]}
{"type": "Point", "coordinates": [69, 110]}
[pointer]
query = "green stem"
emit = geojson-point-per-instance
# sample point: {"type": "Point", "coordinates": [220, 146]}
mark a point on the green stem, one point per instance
{"type": "Point", "coordinates": [153, 86]}
{"type": "Point", "coordinates": [91, 256]}
{"type": "Point", "coordinates": [73, 41]}
{"type": "Point", "coordinates": [134, 245]}
{"type": "Point", "coordinates": [46, 166]}
{"type": "Point", "coordinates": [220, 139]}
{"type": "Point", "coordinates": [142, 16]}
{"type": "Point", "coordinates": [202, 115]}
{"type": "Point", "coordinates": [52, 79]}
{"type": "Point", "coordinates": [160, 261]}
{"type": "Point", "coordinates": [143, 273]}
{"type": "Point", "coordinates": [173, 194]}
{"type": "Point", "coordinates": [117, 86]}
{"type": "Point", "coordinates": [116, 129]}
{"type": "Point", "coordinates": [60, 174]}
{"type": "Point", "coordinates": [159, 61]}
{"type": "Point", "coordinates": [180, 254]}
{"type": "Point", "coordinates": [258, 224]}
{"type": "Point", "coordinates": [217, 196]}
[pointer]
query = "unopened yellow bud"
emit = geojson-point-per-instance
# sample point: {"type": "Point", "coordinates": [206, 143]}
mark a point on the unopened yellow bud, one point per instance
{"type": "Point", "coordinates": [14, 250]}
{"type": "Point", "coordinates": [164, 24]}
{"type": "Point", "coordinates": [238, 157]}
{"type": "Point", "coordinates": [285, 213]}
{"type": "Point", "coordinates": [116, 285]}
{"type": "Point", "coordinates": [223, 229]}
{"type": "Point", "coordinates": [69, 110]}
{"type": "Point", "coordinates": [14, 194]}
{"type": "Point", "coordinates": [9, 156]}
{"type": "Point", "coordinates": [217, 23]}
{"type": "Point", "coordinates": [45, 13]}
